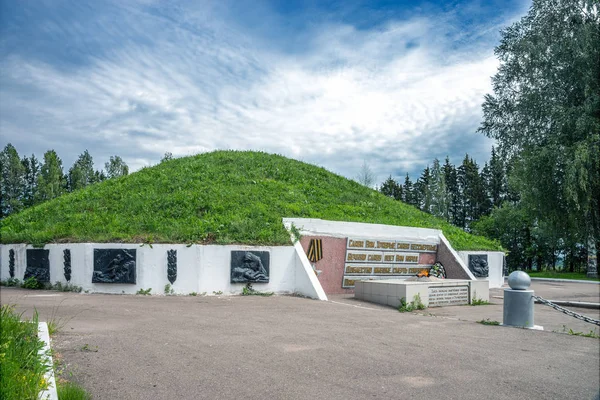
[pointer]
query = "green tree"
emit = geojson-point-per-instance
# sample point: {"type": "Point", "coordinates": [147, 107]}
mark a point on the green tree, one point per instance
{"type": "Point", "coordinates": [31, 166]}
{"type": "Point", "coordinates": [453, 193]}
{"type": "Point", "coordinates": [50, 182]}
{"type": "Point", "coordinates": [440, 199]}
{"type": "Point", "coordinates": [545, 109]}
{"type": "Point", "coordinates": [12, 181]}
{"type": "Point", "coordinates": [422, 195]}
{"type": "Point", "coordinates": [407, 191]}
{"type": "Point", "coordinates": [116, 167]}
{"type": "Point", "coordinates": [391, 188]}
{"type": "Point", "coordinates": [82, 173]}
{"type": "Point", "coordinates": [472, 188]}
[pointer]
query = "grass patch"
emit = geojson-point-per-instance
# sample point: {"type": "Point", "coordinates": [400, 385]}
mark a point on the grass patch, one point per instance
{"type": "Point", "coordinates": [488, 322]}
{"type": "Point", "coordinates": [169, 290]}
{"type": "Point", "coordinates": [591, 334]}
{"type": "Point", "coordinates": [71, 391]}
{"type": "Point", "coordinates": [22, 370]}
{"type": "Point", "coordinates": [475, 301]}
{"type": "Point", "coordinates": [416, 304]}
{"type": "Point", "coordinates": [144, 292]}
{"type": "Point", "coordinates": [248, 290]}
{"type": "Point", "coordinates": [561, 275]}
{"type": "Point", "coordinates": [221, 197]}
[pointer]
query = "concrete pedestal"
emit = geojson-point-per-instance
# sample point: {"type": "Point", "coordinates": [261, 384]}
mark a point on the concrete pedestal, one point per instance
{"type": "Point", "coordinates": [518, 308]}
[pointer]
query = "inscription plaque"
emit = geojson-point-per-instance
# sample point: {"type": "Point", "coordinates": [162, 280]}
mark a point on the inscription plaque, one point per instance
{"type": "Point", "coordinates": [478, 264]}
{"type": "Point", "coordinates": [250, 266]}
{"type": "Point", "coordinates": [38, 265]}
{"type": "Point", "coordinates": [114, 266]}
{"type": "Point", "coordinates": [448, 295]}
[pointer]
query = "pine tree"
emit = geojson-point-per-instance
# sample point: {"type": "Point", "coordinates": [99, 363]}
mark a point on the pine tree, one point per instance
{"type": "Point", "coordinates": [391, 188]}
{"type": "Point", "coordinates": [454, 197]}
{"type": "Point", "coordinates": [12, 181]}
{"type": "Point", "coordinates": [407, 191]}
{"type": "Point", "coordinates": [422, 192]}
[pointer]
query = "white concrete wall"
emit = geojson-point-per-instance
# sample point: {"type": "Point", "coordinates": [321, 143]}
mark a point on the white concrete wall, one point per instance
{"type": "Point", "coordinates": [495, 263]}
{"type": "Point", "coordinates": [199, 268]}
{"type": "Point", "coordinates": [320, 227]}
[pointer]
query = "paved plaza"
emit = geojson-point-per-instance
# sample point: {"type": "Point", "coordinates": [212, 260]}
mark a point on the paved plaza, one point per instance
{"type": "Point", "coordinates": [283, 347]}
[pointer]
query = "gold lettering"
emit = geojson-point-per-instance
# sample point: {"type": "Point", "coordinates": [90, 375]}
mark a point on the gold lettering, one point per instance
{"type": "Point", "coordinates": [358, 270]}
{"type": "Point", "coordinates": [357, 257]}
{"type": "Point", "coordinates": [385, 245]}
{"type": "Point", "coordinates": [356, 243]}
{"type": "Point", "coordinates": [402, 246]}
{"type": "Point", "coordinates": [388, 258]}
{"type": "Point", "coordinates": [400, 271]}
{"type": "Point", "coordinates": [410, 259]}
{"type": "Point", "coordinates": [370, 244]}
{"type": "Point", "coordinates": [382, 270]}
{"type": "Point", "coordinates": [399, 258]}
{"type": "Point", "coordinates": [374, 257]}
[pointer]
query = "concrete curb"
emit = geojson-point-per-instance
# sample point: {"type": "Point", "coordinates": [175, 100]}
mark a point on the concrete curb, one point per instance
{"type": "Point", "coordinates": [44, 335]}
{"type": "Point", "coordinates": [561, 280]}
{"type": "Point", "coordinates": [580, 304]}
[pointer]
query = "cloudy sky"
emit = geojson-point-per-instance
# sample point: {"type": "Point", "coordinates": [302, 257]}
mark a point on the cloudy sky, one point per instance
{"type": "Point", "coordinates": [333, 83]}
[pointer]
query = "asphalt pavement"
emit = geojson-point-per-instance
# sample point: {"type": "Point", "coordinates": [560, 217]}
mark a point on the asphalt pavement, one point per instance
{"type": "Point", "coordinates": [283, 347]}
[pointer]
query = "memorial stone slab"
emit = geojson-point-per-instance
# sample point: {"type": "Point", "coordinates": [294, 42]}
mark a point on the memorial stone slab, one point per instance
{"type": "Point", "coordinates": [478, 264]}
{"type": "Point", "coordinates": [38, 265]}
{"type": "Point", "coordinates": [172, 265]}
{"type": "Point", "coordinates": [67, 264]}
{"type": "Point", "coordinates": [250, 266]}
{"type": "Point", "coordinates": [11, 263]}
{"type": "Point", "coordinates": [114, 266]}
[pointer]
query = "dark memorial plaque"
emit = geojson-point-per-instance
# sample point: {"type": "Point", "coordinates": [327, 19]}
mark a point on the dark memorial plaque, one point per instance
{"type": "Point", "coordinates": [67, 264]}
{"type": "Point", "coordinates": [11, 263]}
{"type": "Point", "coordinates": [478, 264]}
{"type": "Point", "coordinates": [38, 265]}
{"type": "Point", "coordinates": [114, 266]}
{"type": "Point", "coordinates": [250, 266]}
{"type": "Point", "coordinates": [172, 265]}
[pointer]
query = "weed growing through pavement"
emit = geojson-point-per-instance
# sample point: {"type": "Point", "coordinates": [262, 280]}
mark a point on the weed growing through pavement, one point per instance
{"type": "Point", "coordinates": [475, 301]}
{"type": "Point", "coordinates": [217, 293]}
{"type": "Point", "coordinates": [248, 290]}
{"type": "Point", "coordinates": [144, 292]}
{"type": "Point", "coordinates": [591, 334]}
{"type": "Point", "coordinates": [488, 322]}
{"type": "Point", "coordinates": [169, 289]}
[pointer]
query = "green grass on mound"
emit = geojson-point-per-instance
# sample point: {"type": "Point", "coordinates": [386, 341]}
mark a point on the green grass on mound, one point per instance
{"type": "Point", "coordinates": [220, 197]}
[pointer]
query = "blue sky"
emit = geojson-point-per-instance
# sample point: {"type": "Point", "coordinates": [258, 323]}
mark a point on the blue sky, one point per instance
{"type": "Point", "coordinates": [334, 83]}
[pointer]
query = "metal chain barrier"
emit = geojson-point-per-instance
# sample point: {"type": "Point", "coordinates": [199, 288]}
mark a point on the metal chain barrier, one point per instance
{"type": "Point", "coordinates": [568, 312]}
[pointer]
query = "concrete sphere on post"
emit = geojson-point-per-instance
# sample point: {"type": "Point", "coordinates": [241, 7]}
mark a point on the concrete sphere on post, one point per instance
{"type": "Point", "coordinates": [519, 280]}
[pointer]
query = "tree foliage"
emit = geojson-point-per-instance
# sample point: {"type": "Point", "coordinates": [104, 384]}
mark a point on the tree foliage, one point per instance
{"type": "Point", "coordinates": [545, 114]}
{"type": "Point", "coordinates": [116, 167]}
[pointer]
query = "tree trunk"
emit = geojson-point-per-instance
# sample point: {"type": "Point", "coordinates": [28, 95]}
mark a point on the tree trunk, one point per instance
{"type": "Point", "coordinates": [592, 264]}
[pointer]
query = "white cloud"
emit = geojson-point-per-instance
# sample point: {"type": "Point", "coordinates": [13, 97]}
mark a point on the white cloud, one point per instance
{"type": "Point", "coordinates": [393, 97]}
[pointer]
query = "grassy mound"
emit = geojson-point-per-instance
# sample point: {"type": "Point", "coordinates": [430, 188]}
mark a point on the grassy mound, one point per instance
{"type": "Point", "coordinates": [220, 197]}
